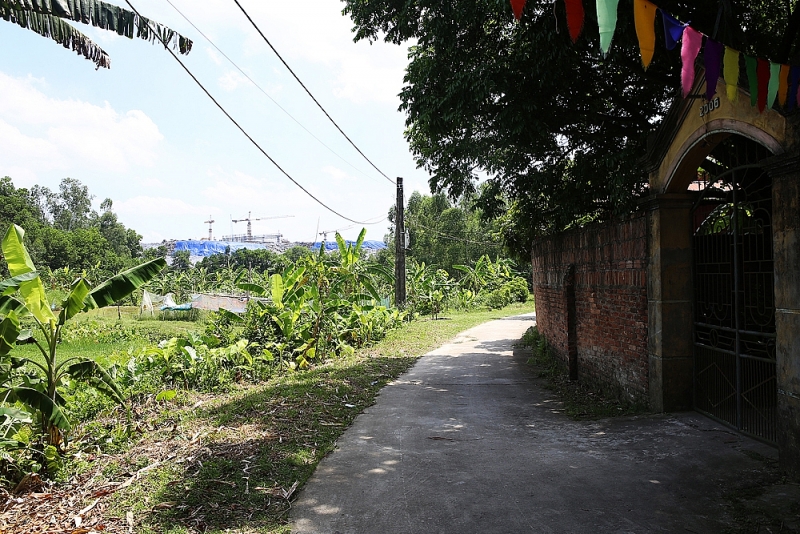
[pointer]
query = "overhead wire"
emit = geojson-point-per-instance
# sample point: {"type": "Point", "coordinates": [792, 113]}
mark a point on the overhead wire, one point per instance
{"type": "Point", "coordinates": [309, 93]}
{"type": "Point", "coordinates": [232, 62]}
{"type": "Point", "coordinates": [241, 129]}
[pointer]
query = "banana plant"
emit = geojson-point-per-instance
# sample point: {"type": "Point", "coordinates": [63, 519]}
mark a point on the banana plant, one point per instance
{"type": "Point", "coordinates": [23, 295]}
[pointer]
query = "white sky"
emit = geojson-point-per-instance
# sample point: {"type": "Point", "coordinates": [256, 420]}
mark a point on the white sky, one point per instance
{"type": "Point", "coordinates": [143, 134]}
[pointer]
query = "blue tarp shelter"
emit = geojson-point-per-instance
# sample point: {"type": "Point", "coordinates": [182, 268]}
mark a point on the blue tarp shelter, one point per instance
{"type": "Point", "coordinates": [367, 245]}
{"type": "Point", "coordinates": [208, 248]}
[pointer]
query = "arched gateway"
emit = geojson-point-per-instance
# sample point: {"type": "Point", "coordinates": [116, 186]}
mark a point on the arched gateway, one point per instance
{"type": "Point", "coordinates": [724, 267]}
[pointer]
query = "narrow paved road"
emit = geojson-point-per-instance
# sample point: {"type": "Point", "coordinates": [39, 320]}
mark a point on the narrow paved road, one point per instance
{"type": "Point", "coordinates": [469, 441]}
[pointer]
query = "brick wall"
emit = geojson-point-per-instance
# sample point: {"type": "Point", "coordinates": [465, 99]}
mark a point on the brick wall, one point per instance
{"type": "Point", "coordinates": [596, 277]}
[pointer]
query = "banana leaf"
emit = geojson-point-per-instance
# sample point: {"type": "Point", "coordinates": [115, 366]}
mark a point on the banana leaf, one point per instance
{"type": "Point", "coordinates": [93, 374]}
{"type": "Point", "coordinates": [19, 263]}
{"type": "Point", "coordinates": [9, 332]}
{"type": "Point", "coordinates": [120, 286]}
{"type": "Point", "coordinates": [253, 288]}
{"type": "Point", "coordinates": [276, 287]}
{"type": "Point", "coordinates": [52, 27]}
{"type": "Point", "coordinates": [74, 303]}
{"type": "Point", "coordinates": [104, 16]}
{"type": "Point", "coordinates": [40, 402]}
{"type": "Point", "coordinates": [232, 317]}
{"type": "Point", "coordinates": [10, 285]}
{"type": "Point", "coordinates": [12, 304]}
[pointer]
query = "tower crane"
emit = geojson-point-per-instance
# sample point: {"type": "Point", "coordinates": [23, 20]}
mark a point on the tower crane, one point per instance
{"type": "Point", "coordinates": [325, 233]}
{"type": "Point", "coordinates": [250, 220]}
{"type": "Point", "coordinates": [209, 222]}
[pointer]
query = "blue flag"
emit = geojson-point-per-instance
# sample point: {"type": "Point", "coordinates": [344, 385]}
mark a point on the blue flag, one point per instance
{"type": "Point", "coordinates": [673, 30]}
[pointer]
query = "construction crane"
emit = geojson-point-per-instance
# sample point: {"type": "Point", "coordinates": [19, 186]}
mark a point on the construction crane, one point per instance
{"type": "Point", "coordinates": [250, 220]}
{"type": "Point", "coordinates": [209, 222]}
{"type": "Point", "coordinates": [325, 233]}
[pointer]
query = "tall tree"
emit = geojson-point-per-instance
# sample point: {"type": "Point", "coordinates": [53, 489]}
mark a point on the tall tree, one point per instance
{"type": "Point", "coordinates": [557, 129]}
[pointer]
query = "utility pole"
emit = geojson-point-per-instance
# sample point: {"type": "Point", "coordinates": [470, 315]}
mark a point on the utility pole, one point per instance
{"type": "Point", "coordinates": [399, 249]}
{"type": "Point", "coordinates": [209, 222]}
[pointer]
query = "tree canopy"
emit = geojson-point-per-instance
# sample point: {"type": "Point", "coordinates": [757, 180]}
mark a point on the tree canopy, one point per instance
{"type": "Point", "coordinates": [556, 131]}
{"type": "Point", "coordinates": [63, 231]}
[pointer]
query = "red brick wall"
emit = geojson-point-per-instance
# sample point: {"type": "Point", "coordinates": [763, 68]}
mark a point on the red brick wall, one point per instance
{"type": "Point", "coordinates": [610, 313]}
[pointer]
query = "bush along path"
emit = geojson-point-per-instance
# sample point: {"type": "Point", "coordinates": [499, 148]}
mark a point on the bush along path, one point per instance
{"type": "Point", "coordinates": [229, 461]}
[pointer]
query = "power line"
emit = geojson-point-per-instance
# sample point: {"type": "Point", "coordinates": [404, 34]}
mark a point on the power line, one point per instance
{"type": "Point", "coordinates": [309, 93]}
{"type": "Point", "coordinates": [241, 129]}
{"type": "Point", "coordinates": [232, 62]}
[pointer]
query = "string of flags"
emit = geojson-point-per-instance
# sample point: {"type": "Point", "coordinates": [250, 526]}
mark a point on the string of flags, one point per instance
{"type": "Point", "coordinates": [769, 82]}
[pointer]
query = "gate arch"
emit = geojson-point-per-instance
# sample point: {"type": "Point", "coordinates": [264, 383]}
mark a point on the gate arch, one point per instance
{"type": "Point", "coordinates": [690, 138]}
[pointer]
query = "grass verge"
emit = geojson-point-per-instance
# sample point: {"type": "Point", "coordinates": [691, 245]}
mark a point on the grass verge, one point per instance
{"type": "Point", "coordinates": [579, 401]}
{"type": "Point", "coordinates": [233, 463]}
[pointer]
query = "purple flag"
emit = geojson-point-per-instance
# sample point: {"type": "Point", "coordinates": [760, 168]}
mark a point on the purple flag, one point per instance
{"type": "Point", "coordinates": [673, 30]}
{"type": "Point", "coordinates": [712, 56]}
{"type": "Point", "coordinates": [794, 86]}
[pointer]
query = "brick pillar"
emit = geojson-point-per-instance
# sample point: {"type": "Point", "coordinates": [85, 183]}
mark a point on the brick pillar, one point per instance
{"type": "Point", "coordinates": [669, 298]}
{"type": "Point", "coordinates": [785, 172]}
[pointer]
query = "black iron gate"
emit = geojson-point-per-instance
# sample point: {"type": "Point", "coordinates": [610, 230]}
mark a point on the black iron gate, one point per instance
{"type": "Point", "coordinates": [734, 310]}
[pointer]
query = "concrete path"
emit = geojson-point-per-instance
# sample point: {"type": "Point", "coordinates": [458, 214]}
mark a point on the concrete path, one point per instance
{"type": "Point", "coordinates": [469, 441]}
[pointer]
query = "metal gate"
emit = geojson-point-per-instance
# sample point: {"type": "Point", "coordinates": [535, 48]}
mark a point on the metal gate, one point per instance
{"type": "Point", "coordinates": [734, 304]}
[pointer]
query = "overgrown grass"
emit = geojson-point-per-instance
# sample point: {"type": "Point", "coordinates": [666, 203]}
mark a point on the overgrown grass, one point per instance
{"type": "Point", "coordinates": [230, 464]}
{"type": "Point", "coordinates": [580, 402]}
{"type": "Point", "coordinates": [104, 337]}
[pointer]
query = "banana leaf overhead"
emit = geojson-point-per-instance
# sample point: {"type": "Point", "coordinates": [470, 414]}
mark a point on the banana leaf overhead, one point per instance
{"type": "Point", "coordinates": [49, 19]}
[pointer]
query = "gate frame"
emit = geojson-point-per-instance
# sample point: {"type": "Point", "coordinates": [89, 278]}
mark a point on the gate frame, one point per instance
{"type": "Point", "coordinates": [676, 150]}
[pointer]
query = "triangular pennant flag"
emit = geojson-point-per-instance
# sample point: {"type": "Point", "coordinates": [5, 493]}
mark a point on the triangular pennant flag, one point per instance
{"type": "Point", "coordinates": [731, 73]}
{"type": "Point", "coordinates": [712, 55]}
{"type": "Point", "coordinates": [607, 20]}
{"type": "Point", "coordinates": [794, 85]}
{"type": "Point", "coordinates": [673, 30]}
{"type": "Point", "coordinates": [774, 83]}
{"type": "Point", "coordinates": [517, 6]}
{"type": "Point", "coordinates": [783, 85]}
{"type": "Point", "coordinates": [575, 18]}
{"type": "Point", "coordinates": [692, 41]}
{"type": "Point", "coordinates": [762, 71]}
{"type": "Point", "coordinates": [644, 13]}
{"type": "Point", "coordinates": [751, 64]}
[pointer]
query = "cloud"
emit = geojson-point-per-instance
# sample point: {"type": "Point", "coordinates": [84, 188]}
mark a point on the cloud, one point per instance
{"type": "Point", "coordinates": [231, 80]}
{"type": "Point", "coordinates": [40, 133]}
{"type": "Point", "coordinates": [142, 206]}
{"type": "Point", "coordinates": [316, 40]}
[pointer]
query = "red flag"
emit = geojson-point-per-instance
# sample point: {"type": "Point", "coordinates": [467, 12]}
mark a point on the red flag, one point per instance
{"type": "Point", "coordinates": [517, 6]}
{"type": "Point", "coordinates": [575, 17]}
{"type": "Point", "coordinates": [763, 83]}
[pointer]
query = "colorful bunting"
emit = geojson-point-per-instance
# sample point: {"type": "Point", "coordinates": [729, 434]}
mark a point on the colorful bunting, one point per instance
{"type": "Point", "coordinates": [712, 55]}
{"type": "Point", "coordinates": [644, 14]}
{"type": "Point", "coordinates": [692, 41]}
{"type": "Point", "coordinates": [607, 21]}
{"type": "Point", "coordinates": [769, 82]}
{"type": "Point", "coordinates": [518, 6]}
{"type": "Point", "coordinates": [575, 18]}
{"type": "Point", "coordinates": [673, 30]}
{"type": "Point", "coordinates": [751, 64]}
{"type": "Point", "coordinates": [731, 73]}
{"type": "Point", "coordinates": [774, 83]}
{"type": "Point", "coordinates": [783, 87]}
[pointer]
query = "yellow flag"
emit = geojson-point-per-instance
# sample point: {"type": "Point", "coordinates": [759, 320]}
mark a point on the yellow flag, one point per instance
{"type": "Point", "coordinates": [644, 13]}
{"type": "Point", "coordinates": [731, 72]}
